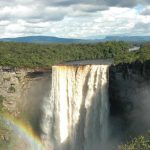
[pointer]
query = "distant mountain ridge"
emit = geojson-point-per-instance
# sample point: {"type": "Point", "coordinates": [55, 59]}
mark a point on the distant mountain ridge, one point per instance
{"type": "Point", "coordinates": [51, 39]}
{"type": "Point", "coordinates": [42, 39]}
{"type": "Point", "coordinates": [128, 38]}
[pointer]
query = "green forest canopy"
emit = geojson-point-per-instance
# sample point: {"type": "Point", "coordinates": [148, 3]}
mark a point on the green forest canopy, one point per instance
{"type": "Point", "coordinates": [46, 55]}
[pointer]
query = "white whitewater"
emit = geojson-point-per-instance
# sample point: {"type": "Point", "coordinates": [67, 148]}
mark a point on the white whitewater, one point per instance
{"type": "Point", "coordinates": [75, 116]}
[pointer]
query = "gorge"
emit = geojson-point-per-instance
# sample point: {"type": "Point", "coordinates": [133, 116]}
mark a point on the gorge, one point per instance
{"type": "Point", "coordinates": [87, 105]}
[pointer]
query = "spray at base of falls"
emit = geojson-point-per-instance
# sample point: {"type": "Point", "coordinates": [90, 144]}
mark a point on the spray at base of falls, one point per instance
{"type": "Point", "coordinates": [75, 116]}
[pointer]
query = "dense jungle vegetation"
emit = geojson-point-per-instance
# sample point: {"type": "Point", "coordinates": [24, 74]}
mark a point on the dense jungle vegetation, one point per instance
{"type": "Point", "coordinates": [46, 55]}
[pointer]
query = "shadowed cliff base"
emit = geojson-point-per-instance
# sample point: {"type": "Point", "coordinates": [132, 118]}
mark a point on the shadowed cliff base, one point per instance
{"type": "Point", "coordinates": [129, 92]}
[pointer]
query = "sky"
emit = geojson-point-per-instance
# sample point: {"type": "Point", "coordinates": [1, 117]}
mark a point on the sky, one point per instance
{"type": "Point", "coordinates": [74, 18]}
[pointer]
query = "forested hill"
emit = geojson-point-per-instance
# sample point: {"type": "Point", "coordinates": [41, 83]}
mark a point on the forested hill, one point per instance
{"type": "Point", "coordinates": [51, 39]}
{"type": "Point", "coordinates": [46, 55]}
{"type": "Point", "coordinates": [44, 39]}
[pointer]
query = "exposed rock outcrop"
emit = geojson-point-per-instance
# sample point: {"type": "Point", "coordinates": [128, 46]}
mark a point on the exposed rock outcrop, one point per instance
{"type": "Point", "coordinates": [23, 91]}
{"type": "Point", "coordinates": [129, 92]}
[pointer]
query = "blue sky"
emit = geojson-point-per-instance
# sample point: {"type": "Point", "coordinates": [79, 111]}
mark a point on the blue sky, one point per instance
{"type": "Point", "coordinates": [74, 18]}
{"type": "Point", "coordinates": [140, 8]}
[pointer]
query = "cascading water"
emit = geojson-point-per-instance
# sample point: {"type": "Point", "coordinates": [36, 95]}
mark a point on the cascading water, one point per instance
{"type": "Point", "coordinates": [75, 117]}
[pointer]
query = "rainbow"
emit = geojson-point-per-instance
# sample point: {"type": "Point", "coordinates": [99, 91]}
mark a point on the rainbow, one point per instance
{"type": "Point", "coordinates": [24, 132]}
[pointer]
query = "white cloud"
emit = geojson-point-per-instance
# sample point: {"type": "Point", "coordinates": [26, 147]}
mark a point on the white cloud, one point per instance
{"type": "Point", "coordinates": [146, 11]}
{"type": "Point", "coordinates": [70, 18]}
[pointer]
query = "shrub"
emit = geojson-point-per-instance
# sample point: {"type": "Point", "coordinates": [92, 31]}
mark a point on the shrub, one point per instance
{"type": "Point", "coordinates": [11, 89]}
{"type": "Point", "coordinates": [2, 98]}
{"type": "Point", "coordinates": [139, 143]}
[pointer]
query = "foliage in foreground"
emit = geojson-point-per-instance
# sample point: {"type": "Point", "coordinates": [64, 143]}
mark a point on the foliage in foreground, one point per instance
{"type": "Point", "coordinates": [140, 143]}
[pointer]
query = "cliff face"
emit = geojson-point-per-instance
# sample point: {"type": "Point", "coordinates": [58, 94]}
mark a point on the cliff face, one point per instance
{"type": "Point", "coordinates": [129, 92]}
{"type": "Point", "coordinates": [23, 91]}
{"type": "Point", "coordinates": [11, 84]}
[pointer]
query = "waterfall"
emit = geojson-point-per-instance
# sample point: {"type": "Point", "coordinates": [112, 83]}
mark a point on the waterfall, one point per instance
{"type": "Point", "coordinates": [75, 116]}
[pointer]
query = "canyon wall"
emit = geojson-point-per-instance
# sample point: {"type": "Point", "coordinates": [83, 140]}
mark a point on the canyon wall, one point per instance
{"type": "Point", "coordinates": [23, 91]}
{"type": "Point", "coordinates": [129, 92]}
